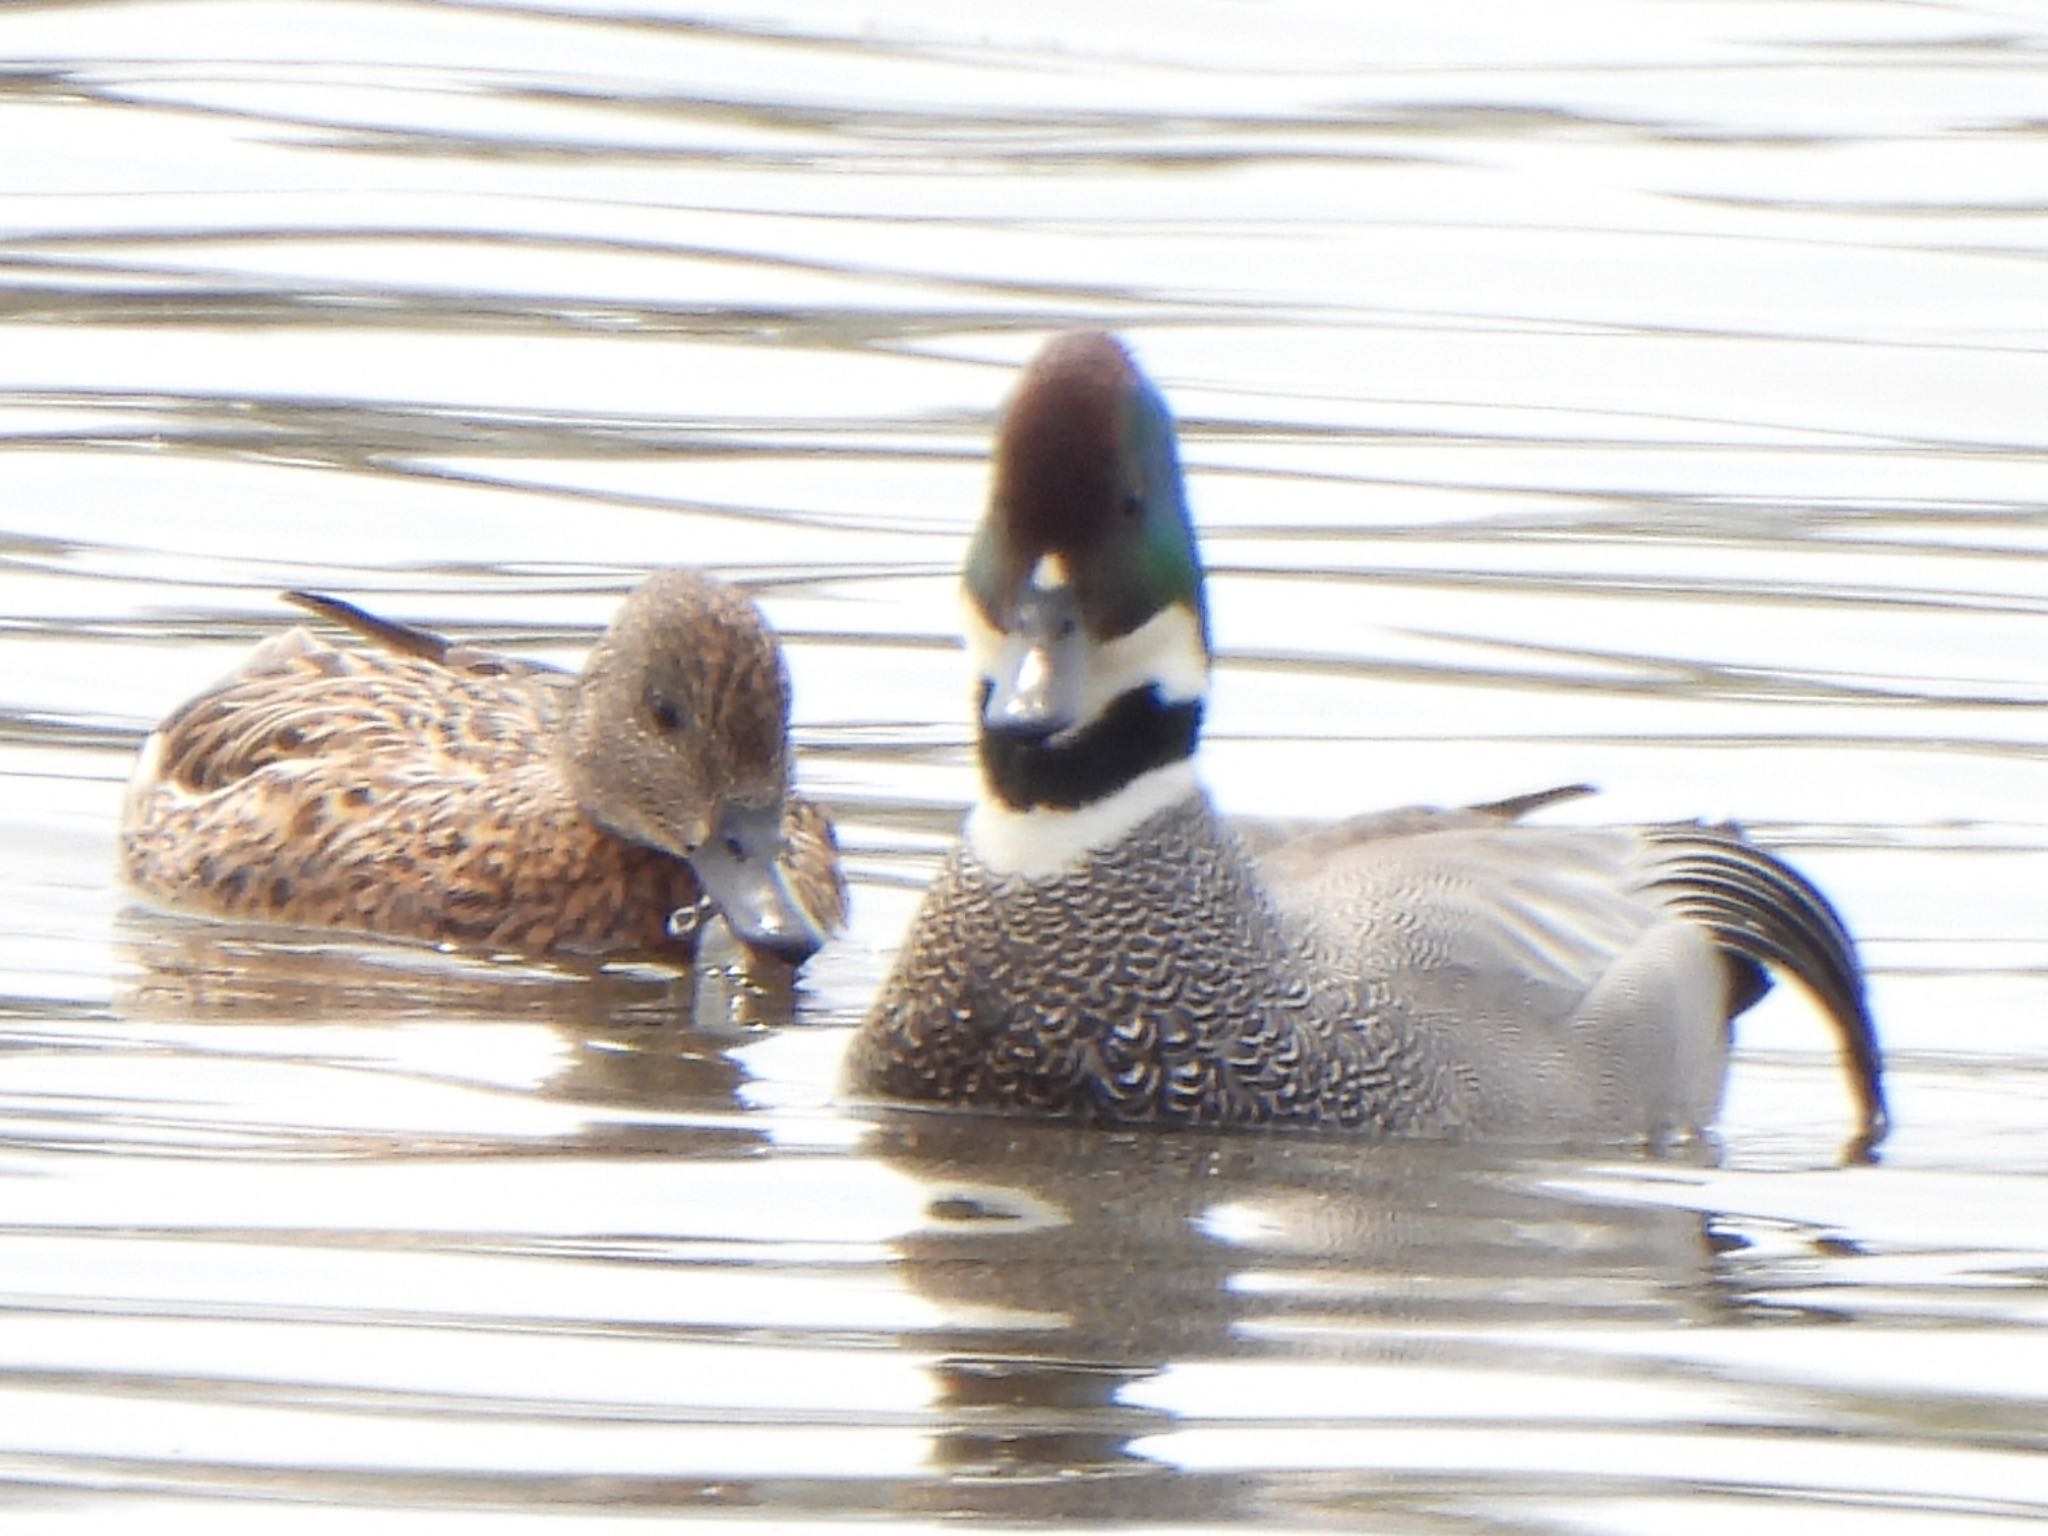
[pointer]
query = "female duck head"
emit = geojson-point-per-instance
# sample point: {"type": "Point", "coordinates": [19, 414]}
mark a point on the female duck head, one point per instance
{"type": "Point", "coordinates": [678, 739]}
{"type": "Point", "coordinates": [1084, 592]}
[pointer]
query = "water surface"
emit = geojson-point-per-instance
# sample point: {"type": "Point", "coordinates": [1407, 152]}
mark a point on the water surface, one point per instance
{"type": "Point", "coordinates": [1642, 394]}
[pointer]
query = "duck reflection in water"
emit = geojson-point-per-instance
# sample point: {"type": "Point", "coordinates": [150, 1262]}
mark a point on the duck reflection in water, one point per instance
{"type": "Point", "coordinates": [1082, 1266]}
{"type": "Point", "coordinates": [649, 1049]}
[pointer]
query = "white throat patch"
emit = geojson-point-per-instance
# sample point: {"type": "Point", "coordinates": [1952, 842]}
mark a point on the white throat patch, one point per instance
{"type": "Point", "coordinates": [1050, 574]}
{"type": "Point", "coordinates": [1041, 842]}
{"type": "Point", "coordinates": [1165, 651]}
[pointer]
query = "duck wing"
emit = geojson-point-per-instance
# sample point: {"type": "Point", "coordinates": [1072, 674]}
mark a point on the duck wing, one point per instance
{"type": "Point", "coordinates": [1583, 973]}
{"type": "Point", "coordinates": [1291, 848]}
{"type": "Point", "coordinates": [410, 694]}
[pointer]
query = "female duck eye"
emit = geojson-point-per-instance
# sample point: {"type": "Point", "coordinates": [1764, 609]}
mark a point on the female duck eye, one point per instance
{"type": "Point", "coordinates": [667, 718]}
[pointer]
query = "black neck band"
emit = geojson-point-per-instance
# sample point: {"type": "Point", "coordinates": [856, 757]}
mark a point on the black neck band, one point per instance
{"type": "Point", "coordinates": [1137, 733]}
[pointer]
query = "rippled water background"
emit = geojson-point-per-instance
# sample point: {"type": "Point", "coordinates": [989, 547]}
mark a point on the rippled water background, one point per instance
{"type": "Point", "coordinates": [1649, 393]}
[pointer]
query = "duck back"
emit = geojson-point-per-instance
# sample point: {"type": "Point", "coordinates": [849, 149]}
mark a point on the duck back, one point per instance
{"type": "Point", "coordinates": [336, 788]}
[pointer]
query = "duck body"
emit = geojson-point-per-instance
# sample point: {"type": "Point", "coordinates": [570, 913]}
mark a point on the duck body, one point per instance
{"type": "Point", "coordinates": [1212, 1017]}
{"type": "Point", "coordinates": [420, 789]}
{"type": "Point", "coordinates": [1103, 947]}
{"type": "Point", "coordinates": [1500, 989]}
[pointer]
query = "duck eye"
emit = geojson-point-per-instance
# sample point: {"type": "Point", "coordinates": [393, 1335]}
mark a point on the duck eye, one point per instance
{"type": "Point", "coordinates": [1133, 506]}
{"type": "Point", "coordinates": [663, 711]}
{"type": "Point", "coordinates": [732, 846]}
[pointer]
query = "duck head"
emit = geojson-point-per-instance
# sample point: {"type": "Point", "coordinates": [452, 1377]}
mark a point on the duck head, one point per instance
{"type": "Point", "coordinates": [1084, 599]}
{"type": "Point", "coordinates": [679, 740]}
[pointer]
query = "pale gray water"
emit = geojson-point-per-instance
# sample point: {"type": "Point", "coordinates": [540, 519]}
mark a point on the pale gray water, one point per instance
{"type": "Point", "coordinates": [1648, 393]}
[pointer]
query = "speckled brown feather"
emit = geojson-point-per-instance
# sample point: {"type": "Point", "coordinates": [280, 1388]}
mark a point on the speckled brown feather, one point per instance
{"type": "Point", "coordinates": [382, 790]}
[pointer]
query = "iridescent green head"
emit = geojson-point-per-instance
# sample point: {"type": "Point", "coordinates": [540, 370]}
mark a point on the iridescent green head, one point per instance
{"type": "Point", "coordinates": [1084, 590]}
{"type": "Point", "coordinates": [1087, 470]}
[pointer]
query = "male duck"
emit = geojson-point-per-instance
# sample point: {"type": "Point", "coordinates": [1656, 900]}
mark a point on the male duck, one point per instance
{"type": "Point", "coordinates": [429, 790]}
{"type": "Point", "coordinates": [1102, 948]}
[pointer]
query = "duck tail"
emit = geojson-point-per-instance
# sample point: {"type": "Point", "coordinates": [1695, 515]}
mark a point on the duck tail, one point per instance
{"type": "Point", "coordinates": [1763, 913]}
{"type": "Point", "coordinates": [406, 639]}
{"type": "Point", "coordinates": [1515, 807]}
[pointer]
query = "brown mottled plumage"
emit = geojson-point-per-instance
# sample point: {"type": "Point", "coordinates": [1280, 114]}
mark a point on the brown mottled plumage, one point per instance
{"type": "Point", "coordinates": [428, 790]}
{"type": "Point", "coordinates": [1102, 948]}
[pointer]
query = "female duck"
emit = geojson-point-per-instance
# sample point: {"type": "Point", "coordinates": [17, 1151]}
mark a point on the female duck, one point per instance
{"type": "Point", "coordinates": [427, 790]}
{"type": "Point", "coordinates": [1102, 948]}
